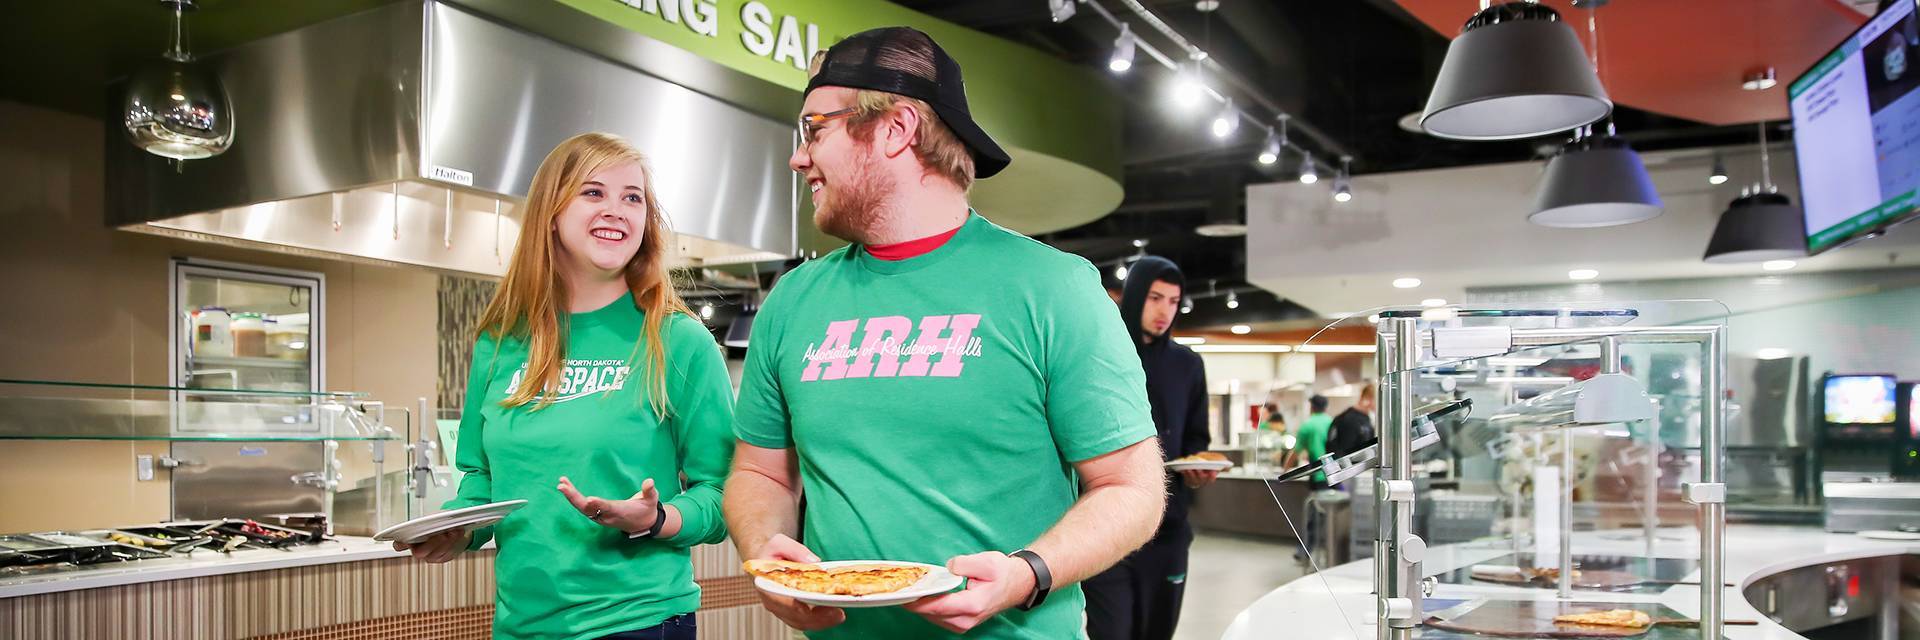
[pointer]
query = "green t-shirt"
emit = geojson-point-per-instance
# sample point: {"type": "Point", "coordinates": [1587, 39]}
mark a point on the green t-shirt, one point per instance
{"type": "Point", "coordinates": [1313, 434]}
{"type": "Point", "coordinates": [558, 574]}
{"type": "Point", "coordinates": [936, 405]}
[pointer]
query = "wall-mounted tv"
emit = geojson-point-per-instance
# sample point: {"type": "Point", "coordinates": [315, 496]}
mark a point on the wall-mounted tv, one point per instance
{"type": "Point", "coordinates": [1912, 391]}
{"type": "Point", "coordinates": [1860, 400]}
{"type": "Point", "coordinates": [1856, 132]}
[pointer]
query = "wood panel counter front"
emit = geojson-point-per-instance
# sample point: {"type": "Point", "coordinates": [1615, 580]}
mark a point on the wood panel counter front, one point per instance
{"type": "Point", "coordinates": [353, 589]}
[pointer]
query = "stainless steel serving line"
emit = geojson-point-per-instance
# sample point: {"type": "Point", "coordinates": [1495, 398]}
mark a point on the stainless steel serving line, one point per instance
{"type": "Point", "coordinates": [1398, 551]}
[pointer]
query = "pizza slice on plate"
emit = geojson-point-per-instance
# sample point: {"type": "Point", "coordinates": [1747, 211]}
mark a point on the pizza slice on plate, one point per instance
{"type": "Point", "coordinates": [1610, 618]}
{"type": "Point", "coordinates": [848, 580]}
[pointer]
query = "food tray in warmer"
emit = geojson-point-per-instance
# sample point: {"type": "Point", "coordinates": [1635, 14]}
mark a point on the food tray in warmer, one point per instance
{"type": "Point", "coordinates": [259, 534]}
{"type": "Point", "coordinates": [1654, 574]}
{"type": "Point", "coordinates": [1534, 618]}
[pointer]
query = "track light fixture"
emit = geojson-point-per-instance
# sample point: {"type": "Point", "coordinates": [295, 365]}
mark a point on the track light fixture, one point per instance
{"type": "Point", "coordinates": [1227, 122]}
{"type": "Point", "coordinates": [1123, 47]}
{"type": "Point", "coordinates": [1343, 181]}
{"type": "Point", "coordinates": [1719, 175]}
{"type": "Point", "coordinates": [1188, 89]}
{"type": "Point", "coordinates": [1270, 152]}
{"type": "Point", "coordinates": [1308, 174]}
{"type": "Point", "coordinates": [1233, 300]}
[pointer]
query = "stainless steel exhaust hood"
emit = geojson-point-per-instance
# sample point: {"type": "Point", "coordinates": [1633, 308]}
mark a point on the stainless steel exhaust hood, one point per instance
{"type": "Point", "coordinates": [408, 134]}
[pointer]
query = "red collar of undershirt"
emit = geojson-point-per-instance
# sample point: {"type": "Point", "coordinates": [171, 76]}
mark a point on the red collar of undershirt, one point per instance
{"type": "Point", "coordinates": [912, 248]}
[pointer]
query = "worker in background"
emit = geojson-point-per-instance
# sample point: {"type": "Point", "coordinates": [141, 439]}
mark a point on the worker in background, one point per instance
{"type": "Point", "coordinates": [1309, 445]}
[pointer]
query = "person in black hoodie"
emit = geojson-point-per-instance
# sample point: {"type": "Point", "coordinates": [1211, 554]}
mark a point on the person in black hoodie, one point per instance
{"type": "Point", "coordinates": [1139, 598]}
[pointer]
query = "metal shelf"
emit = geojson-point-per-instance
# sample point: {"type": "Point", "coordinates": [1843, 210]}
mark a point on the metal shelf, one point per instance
{"type": "Point", "coordinates": [241, 362]}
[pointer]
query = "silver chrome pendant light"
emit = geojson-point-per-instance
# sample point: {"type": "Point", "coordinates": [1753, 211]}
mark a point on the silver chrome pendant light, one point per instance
{"type": "Point", "coordinates": [1516, 71]}
{"type": "Point", "coordinates": [1596, 181]}
{"type": "Point", "coordinates": [175, 108]}
{"type": "Point", "coordinates": [1761, 224]}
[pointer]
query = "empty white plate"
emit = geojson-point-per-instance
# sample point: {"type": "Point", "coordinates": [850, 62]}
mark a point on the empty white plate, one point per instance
{"type": "Point", "coordinates": [468, 518]}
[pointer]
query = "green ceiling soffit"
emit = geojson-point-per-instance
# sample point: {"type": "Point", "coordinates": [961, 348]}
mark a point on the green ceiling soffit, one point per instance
{"type": "Point", "coordinates": [1061, 122]}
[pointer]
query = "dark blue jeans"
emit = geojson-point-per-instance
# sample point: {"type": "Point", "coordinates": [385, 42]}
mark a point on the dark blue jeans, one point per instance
{"type": "Point", "coordinates": [679, 627]}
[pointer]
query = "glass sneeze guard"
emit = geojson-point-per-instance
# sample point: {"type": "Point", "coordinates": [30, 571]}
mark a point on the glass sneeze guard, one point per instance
{"type": "Point", "coordinates": [63, 410]}
{"type": "Point", "coordinates": [1593, 445]}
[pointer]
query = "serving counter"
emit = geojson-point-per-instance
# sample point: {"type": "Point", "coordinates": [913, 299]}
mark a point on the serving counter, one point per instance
{"type": "Point", "coordinates": [1339, 602]}
{"type": "Point", "coordinates": [350, 588]}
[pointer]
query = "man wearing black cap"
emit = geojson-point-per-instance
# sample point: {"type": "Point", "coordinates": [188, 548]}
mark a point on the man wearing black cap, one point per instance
{"type": "Point", "coordinates": [1139, 598]}
{"type": "Point", "coordinates": [942, 390]}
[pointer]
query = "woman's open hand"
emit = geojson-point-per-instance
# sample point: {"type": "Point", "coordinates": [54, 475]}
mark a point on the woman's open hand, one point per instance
{"type": "Point", "coordinates": [632, 515]}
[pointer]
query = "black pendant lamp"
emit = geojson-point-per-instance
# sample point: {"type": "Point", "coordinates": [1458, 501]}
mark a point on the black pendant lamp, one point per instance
{"type": "Point", "coordinates": [1761, 224]}
{"type": "Point", "coordinates": [1516, 71]}
{"type": "Point", "coordinates": [1596, 181]}
{"type": "Point", "coordinates": [1758, 227]}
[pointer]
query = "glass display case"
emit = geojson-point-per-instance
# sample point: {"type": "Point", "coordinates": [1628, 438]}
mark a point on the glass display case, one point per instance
{"type": "Point", "coordinates": [331, 459]}
{"type": "Point", "coordinates": [1576, 449]}
{"type": "Point", "coordinates": [246, 327]}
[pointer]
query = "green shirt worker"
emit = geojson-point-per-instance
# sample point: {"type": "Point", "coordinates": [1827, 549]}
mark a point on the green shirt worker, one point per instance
{"type": "Point", "coordinates": [590, 378]}
{"type": "Point", "coordinates": [1310, 443]}
{"type": "Point", "coordinates": [973, 402]}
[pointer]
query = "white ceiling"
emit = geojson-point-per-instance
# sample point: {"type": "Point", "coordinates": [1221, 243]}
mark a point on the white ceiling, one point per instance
{"type": "Point", "coordinates": [1466, 227]}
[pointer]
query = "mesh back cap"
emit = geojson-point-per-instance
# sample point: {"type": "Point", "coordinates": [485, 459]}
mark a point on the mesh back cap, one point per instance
{"type": "Point", "coordinates": [903, 61]}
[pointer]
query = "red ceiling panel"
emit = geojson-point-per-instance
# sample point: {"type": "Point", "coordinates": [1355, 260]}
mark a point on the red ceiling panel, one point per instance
{"type": "Point", "coordinates": [1686, 58]}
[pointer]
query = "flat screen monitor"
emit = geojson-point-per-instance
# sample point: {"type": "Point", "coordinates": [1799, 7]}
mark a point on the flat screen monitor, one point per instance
{"type": "Point", "coordinates": [1913, 409]}
{"type": "Point", "coordinates": [1860, 400]}
{"type": "Point", "coordinates": [1856, 132]}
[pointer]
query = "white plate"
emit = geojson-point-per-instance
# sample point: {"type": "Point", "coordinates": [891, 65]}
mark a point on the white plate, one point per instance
{"type": "Point", "coordinates": [937, 581]}
{"type": "Point", "coordinates": [1200, 465]}
{"type": "Point", "coordinates": [1889, 535]}
{"type": "Point", "coordinates": [469, 518]}
{"type": "Point", "coordinates": [422, 531]}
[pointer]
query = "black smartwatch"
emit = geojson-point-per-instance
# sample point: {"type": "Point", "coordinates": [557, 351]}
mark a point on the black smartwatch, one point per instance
{"type": "Point", "coordinates": [1042, 579]}
{"type": "Point", "coordinates": [659, 520]}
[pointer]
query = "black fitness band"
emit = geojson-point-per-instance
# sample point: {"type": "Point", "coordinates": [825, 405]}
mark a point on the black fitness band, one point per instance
{"type": "Point", "coordinates": [1042, 579]}
{"type": "Point", "coordinates": [659, 520]}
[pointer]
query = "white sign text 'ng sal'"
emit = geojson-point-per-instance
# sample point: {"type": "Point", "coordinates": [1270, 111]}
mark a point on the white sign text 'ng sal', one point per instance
{"type": "Point", "coordinates": [785, 40]}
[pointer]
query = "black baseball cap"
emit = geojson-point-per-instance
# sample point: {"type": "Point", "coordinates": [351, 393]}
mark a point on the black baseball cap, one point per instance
{"type": "Point", "coordinates": [904, 61]}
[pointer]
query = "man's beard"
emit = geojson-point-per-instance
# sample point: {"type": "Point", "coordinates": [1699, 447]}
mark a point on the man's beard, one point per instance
{"type": "Point", "coordinates": [853, 209]}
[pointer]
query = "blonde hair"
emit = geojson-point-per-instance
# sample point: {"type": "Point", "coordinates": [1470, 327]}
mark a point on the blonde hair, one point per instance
{"type": "Point", "coordinates": [533, 295]}
{"type": "Point", "coordinates": [939, 150]}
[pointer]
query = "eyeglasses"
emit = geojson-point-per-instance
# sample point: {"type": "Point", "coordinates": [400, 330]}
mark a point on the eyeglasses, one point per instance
{"type": "Point", "coordinates": [810, 125]}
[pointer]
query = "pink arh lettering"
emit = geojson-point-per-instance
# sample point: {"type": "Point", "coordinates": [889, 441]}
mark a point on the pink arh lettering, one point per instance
{"type": "Point", "coordinates": [878, 331]}
{"type": "Point", "coordinates": [930, 341]}
{"type": "Point", "coordinates": [839, 337]}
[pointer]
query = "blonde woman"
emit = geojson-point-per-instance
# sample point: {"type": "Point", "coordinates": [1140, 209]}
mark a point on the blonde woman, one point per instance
{"type": "Point", "coordinates": [591, 378]}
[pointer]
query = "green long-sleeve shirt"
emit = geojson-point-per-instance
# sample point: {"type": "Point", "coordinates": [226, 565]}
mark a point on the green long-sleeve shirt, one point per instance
{"type": "Point", "coordinates": [558, 574]}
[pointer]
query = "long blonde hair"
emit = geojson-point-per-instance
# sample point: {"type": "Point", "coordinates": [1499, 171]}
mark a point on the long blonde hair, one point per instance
{"type": "Point", "coordinates": [533, 295]}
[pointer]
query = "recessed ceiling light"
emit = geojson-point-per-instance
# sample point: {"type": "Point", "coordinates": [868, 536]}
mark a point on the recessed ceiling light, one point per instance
{"type": "Point", "coordinates": [1241, 329]}
{"type": "Point", "coordinates": [1189, 340]}
{"type": "Point", "coordinates": [1778, 265]}
{"type": "Point", "coordinates": [1222, 230]}
{"type": "Point", "coordinates": [1335, 348]}
{"type": "Point", "coordinates": [1406, 283]}
{"type": "Point", "coordinates": [1441, 313]}
{"type": "Point", "coordinates": [1433, 302]}
{"type": "Point", "coordinates": [1582, 274]}
{"type": "Point", "coordinates": [1373, 319]}
{"type": "Point", "coordinates": [1772, 353]}
{"type": "Point", "coordinates": [1243, 348]}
